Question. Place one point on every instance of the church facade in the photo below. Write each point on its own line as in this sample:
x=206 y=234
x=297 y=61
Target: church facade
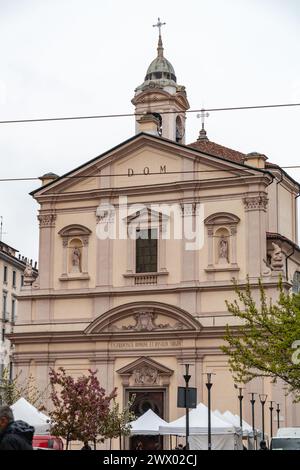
x=138 y=250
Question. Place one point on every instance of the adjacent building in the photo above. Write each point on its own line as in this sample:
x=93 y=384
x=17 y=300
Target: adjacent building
x=12 y=267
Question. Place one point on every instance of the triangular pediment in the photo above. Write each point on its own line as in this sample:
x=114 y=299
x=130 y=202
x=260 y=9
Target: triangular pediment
x=145 y=363
x=146 y=215
x=143 y=160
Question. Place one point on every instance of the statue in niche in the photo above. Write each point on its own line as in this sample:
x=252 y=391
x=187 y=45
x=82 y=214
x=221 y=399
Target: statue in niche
x=223 y=250
x=276 y=258
x=76 y=260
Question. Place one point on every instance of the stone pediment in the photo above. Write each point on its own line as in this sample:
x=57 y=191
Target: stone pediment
x=144 y=317
x=145 y=372
x=142 y=154
x=146 y=215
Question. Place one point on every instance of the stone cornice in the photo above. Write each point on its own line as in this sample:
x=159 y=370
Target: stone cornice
x=160 y=188
x=142 y=290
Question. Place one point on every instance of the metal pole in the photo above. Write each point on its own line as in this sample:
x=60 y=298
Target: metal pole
x=263 y=419
x=263 y=398
x=187 y=424
x=241 y=407
x=278 y=415
x=271 y=417
x=209 y=385
x=252 y=401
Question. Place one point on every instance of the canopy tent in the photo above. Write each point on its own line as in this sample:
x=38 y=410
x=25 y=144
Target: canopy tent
x=234 y=420
x=247 y=429
x=147 y=424
x=246 y=426
x=224 y=435
x=24 y=411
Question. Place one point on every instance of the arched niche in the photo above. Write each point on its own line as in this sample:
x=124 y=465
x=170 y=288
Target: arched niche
x=222 y=248
x=75 y=241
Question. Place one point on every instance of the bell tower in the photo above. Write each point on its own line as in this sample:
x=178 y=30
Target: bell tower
x=160 y=103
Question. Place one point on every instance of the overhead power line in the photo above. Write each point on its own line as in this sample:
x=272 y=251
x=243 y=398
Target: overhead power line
x=34 y=178
x=106 y=116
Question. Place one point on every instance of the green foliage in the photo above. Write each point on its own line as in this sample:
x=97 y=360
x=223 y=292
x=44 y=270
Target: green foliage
x=117 y=422
x=264 y=344
x=13 y=389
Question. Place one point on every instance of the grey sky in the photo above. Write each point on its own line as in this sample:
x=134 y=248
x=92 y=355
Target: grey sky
x=74 y=57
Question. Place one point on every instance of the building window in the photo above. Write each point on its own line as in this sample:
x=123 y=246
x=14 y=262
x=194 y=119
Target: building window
x=3 y=335
x=296 y=283
x=14 y=277
x=13 y=310
x=5 y=274
x=4 y=304
x=22 y=280
x=10 y=371
x=146 y=250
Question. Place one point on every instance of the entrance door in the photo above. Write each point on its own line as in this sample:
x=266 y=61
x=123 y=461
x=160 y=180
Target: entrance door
x=145 y=400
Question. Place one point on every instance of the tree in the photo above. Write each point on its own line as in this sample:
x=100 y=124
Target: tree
x=11 y=389
x=79 y=406
x=267 y=343
x=116 y=424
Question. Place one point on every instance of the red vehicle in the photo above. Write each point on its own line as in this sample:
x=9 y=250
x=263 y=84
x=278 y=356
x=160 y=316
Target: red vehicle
x=47 y=442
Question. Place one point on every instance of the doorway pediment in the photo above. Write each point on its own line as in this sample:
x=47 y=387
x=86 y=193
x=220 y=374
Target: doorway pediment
x=145 y=372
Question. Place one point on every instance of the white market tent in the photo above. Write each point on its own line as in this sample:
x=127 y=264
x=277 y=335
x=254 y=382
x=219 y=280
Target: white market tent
x=24 y=411
x=246 y=426
x=224 y=435
x=147 y=424
x=235 y=421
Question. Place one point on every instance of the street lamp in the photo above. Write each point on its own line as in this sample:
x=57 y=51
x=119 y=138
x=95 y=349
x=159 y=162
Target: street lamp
x=278 y=415
x=252 y=401
x=263 y=398
x=271 y=417
x=208 y=386
x=240 y=397
x=187 y=378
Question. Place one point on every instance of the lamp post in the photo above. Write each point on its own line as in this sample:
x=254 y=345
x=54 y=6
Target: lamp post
x=263 y=398
x=278 y=415
x=187 y=378
x=240 y=397
x=252 y=401
x=271 y=417
x=208 y=386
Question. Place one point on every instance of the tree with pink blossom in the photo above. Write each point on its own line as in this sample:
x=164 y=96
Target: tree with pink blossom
x=79 y=406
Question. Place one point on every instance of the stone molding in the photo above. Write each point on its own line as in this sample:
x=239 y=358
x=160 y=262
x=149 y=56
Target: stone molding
x=255 y=203
x=47 y=220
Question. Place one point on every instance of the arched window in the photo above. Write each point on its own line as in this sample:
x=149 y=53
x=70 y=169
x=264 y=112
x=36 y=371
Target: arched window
x=75 y=240
x=179 y=130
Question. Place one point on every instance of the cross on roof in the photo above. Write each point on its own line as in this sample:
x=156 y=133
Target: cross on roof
x=203 y=115
x=158 y=25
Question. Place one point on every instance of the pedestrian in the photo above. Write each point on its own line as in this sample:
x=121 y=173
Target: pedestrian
x=263 y=445
x=86 y=446
x=14 y=435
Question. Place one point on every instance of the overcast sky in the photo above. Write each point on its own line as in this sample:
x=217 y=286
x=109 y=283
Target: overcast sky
x=75 y=57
